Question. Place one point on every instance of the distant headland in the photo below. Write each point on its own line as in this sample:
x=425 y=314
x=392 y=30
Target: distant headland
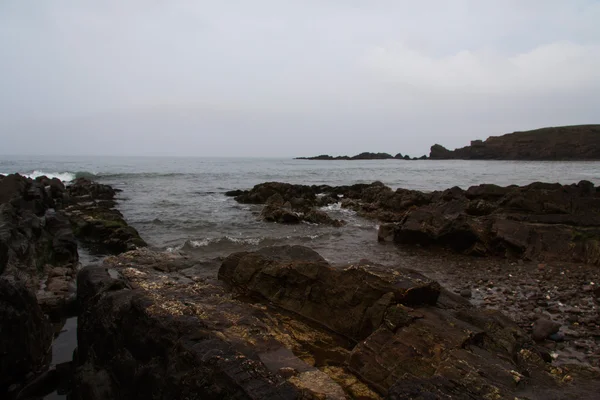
x=363 y=156
x=577 y=142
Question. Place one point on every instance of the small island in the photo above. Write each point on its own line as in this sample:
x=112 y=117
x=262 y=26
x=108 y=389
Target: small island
x=362 y=156
x=562 y=143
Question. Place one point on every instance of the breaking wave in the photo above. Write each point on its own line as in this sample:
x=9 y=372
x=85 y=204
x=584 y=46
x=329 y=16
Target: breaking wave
x=63 y=176
x=68 y=176
x=227 y=242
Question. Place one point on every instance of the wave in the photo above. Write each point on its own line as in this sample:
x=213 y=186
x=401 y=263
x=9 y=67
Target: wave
x=63 y=176
x=337 y=207
x=69 y=176
x=226 y=242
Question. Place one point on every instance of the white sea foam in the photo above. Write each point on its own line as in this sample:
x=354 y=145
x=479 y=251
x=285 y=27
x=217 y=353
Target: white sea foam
x=332 y=207
x=63 y=176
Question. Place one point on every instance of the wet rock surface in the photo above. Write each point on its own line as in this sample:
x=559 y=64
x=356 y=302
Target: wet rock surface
x=528 y=292
x=278 y=210
x=96 y=223
x=150 y=327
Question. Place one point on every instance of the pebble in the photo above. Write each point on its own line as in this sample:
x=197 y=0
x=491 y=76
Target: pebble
x=466 y=293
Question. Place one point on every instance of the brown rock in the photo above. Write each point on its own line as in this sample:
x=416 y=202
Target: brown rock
x=352 y=302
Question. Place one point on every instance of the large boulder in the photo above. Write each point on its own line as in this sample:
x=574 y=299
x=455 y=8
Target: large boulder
x=352 y=302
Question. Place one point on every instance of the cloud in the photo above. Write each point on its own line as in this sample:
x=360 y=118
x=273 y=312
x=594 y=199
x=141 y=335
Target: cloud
x=555 y=67
x=280 y=77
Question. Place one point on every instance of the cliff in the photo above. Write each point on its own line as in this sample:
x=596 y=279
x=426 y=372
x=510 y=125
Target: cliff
x=578 y=142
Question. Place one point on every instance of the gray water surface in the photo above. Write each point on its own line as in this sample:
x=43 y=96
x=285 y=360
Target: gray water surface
x=179 y=203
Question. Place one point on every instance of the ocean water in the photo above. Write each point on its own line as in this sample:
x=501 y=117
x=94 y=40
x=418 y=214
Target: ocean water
x=178 y=204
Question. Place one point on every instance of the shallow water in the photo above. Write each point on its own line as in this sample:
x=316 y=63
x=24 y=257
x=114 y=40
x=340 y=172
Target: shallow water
x=178 y=203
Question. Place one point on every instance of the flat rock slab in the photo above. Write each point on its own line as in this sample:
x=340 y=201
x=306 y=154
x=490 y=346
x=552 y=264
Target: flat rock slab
x=191 y=338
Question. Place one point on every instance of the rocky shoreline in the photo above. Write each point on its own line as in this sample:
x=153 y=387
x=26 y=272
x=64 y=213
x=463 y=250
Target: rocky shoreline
x=283 y=323
x=42 y=222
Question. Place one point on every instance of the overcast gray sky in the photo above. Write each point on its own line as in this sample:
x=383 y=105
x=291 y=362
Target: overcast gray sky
x=290 y=78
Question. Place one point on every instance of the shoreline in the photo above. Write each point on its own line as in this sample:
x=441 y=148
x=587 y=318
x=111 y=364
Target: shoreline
x=491 y=283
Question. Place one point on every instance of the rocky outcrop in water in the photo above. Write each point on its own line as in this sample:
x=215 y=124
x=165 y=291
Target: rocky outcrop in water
x=287 y=203
x=535 y=222
x=286 y=325
x=540 y=221
x=580 y=142
x=96 y=222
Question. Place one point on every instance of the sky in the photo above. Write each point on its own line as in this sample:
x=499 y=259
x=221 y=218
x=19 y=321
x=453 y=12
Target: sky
x=282 y=78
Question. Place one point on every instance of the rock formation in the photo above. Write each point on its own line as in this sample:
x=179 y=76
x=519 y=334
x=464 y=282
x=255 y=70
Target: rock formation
x=539 y=221
x=39 y=261
x=580 y=142
x=284 y=324
x=287 y=204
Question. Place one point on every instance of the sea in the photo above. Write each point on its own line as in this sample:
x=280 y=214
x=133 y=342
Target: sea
x=178 y=203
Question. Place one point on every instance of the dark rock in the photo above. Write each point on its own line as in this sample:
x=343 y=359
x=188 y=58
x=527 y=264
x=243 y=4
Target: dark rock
x=539 y=221
x=386 y=232
x=96 y=223
x=361 y=156
x=184 y=340
x=234 y=193
x=466 y=293
x=319 y=217
x=25 y=334
x=84 y=187
x=274 y=213
x=148 y=331
x=543 y=329
x=351 y=301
